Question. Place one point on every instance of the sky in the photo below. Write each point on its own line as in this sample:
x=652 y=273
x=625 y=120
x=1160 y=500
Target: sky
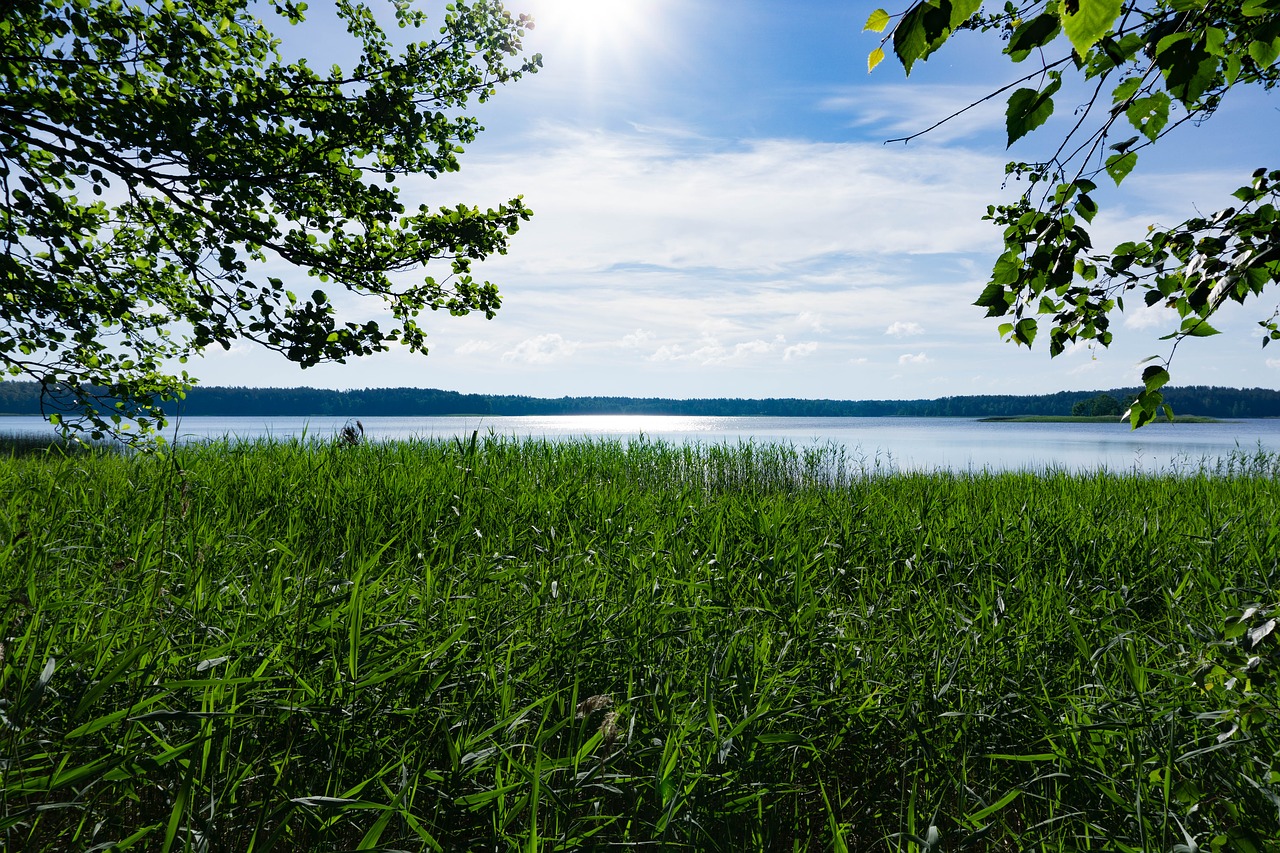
x=717 y=213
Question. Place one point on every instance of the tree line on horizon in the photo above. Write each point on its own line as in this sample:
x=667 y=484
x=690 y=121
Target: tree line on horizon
x=23 y=398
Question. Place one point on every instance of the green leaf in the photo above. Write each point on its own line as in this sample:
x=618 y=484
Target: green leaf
x=1091 y=21
x=1149 y=115
x=874 y=58
x=1086 y=208
x=919 y=28
x=1155 y=377
x=1120 y=165
x=1025 y=331
x=1196 y=327
x=1257 y=8
x=1147 y=405
x=927 y=25
x=1111 y=52
x=1126 y=89
x=981 y=814
x=1007 y=270
x=1215 y=41
x=1264 y=53
x=877 y=21
x=1168 y=41
x=1235 y=629
x=1033 y=34
x=1029 y=109
x=994 y=299
x=963 y=10
x=1187 y=67
x=1234 y=66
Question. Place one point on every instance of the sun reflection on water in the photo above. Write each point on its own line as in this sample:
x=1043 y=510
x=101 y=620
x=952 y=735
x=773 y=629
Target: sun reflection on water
x=620 y=425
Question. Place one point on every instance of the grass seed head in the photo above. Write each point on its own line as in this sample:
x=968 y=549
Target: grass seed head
x=609 y=729
x=592 y=704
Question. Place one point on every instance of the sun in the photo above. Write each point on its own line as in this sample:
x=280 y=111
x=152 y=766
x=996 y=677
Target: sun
x=592 y=26
x=590 y=16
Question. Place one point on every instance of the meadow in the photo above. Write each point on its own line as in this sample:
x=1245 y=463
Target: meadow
x=504 y=644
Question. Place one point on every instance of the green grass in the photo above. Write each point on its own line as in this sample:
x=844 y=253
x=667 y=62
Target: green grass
x=33 y=444
x=310 y=647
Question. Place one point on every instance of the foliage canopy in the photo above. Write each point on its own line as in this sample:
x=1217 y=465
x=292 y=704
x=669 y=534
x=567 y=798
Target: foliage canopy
x=1149 y=66
x=1099 y=405
x=159 y=157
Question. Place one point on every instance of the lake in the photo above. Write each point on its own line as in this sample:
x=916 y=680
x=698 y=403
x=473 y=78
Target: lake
x=906 y=444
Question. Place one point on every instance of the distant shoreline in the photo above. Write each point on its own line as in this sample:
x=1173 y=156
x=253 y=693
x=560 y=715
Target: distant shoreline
x=1100 y=419
x=462 y=416
x=24 y=398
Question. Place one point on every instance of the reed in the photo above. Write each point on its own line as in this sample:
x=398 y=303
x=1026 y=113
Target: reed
x=518 y=644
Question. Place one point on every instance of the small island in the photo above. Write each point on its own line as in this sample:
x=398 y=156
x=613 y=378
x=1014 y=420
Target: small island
x=1091 y=419
x=1099 y=409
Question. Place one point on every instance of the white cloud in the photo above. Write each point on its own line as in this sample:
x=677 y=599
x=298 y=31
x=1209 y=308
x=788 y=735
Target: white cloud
x=668 y=352
x=896 y=110
x=1089 y=366
x=756 y=347
x=711 y=351
x=1273 y=363
x=900 y=329
x=812 y=321
x=474 y=345
x=799 y=350
x=1148 y=317
x=542 y=349
x=666 y=261
x=644 y=204
x=1074 y=348
x=636 y=339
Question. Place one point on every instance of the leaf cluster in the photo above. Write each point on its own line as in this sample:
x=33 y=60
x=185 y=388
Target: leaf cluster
x=156 y=156
x=1163 y=63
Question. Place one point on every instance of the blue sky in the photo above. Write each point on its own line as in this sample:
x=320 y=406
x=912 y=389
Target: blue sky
x=716 y=215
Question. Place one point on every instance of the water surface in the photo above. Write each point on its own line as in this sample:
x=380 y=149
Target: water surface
x=886 y=443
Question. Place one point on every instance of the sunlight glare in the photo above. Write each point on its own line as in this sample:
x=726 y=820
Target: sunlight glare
x=593 y=29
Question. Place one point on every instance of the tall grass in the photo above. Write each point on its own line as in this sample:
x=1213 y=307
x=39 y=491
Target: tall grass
x=502 y=644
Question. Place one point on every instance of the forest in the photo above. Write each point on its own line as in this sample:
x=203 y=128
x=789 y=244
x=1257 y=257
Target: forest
x=23 y=398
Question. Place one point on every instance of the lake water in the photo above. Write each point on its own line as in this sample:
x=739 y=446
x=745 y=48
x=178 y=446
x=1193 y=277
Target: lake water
x=889 y=443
